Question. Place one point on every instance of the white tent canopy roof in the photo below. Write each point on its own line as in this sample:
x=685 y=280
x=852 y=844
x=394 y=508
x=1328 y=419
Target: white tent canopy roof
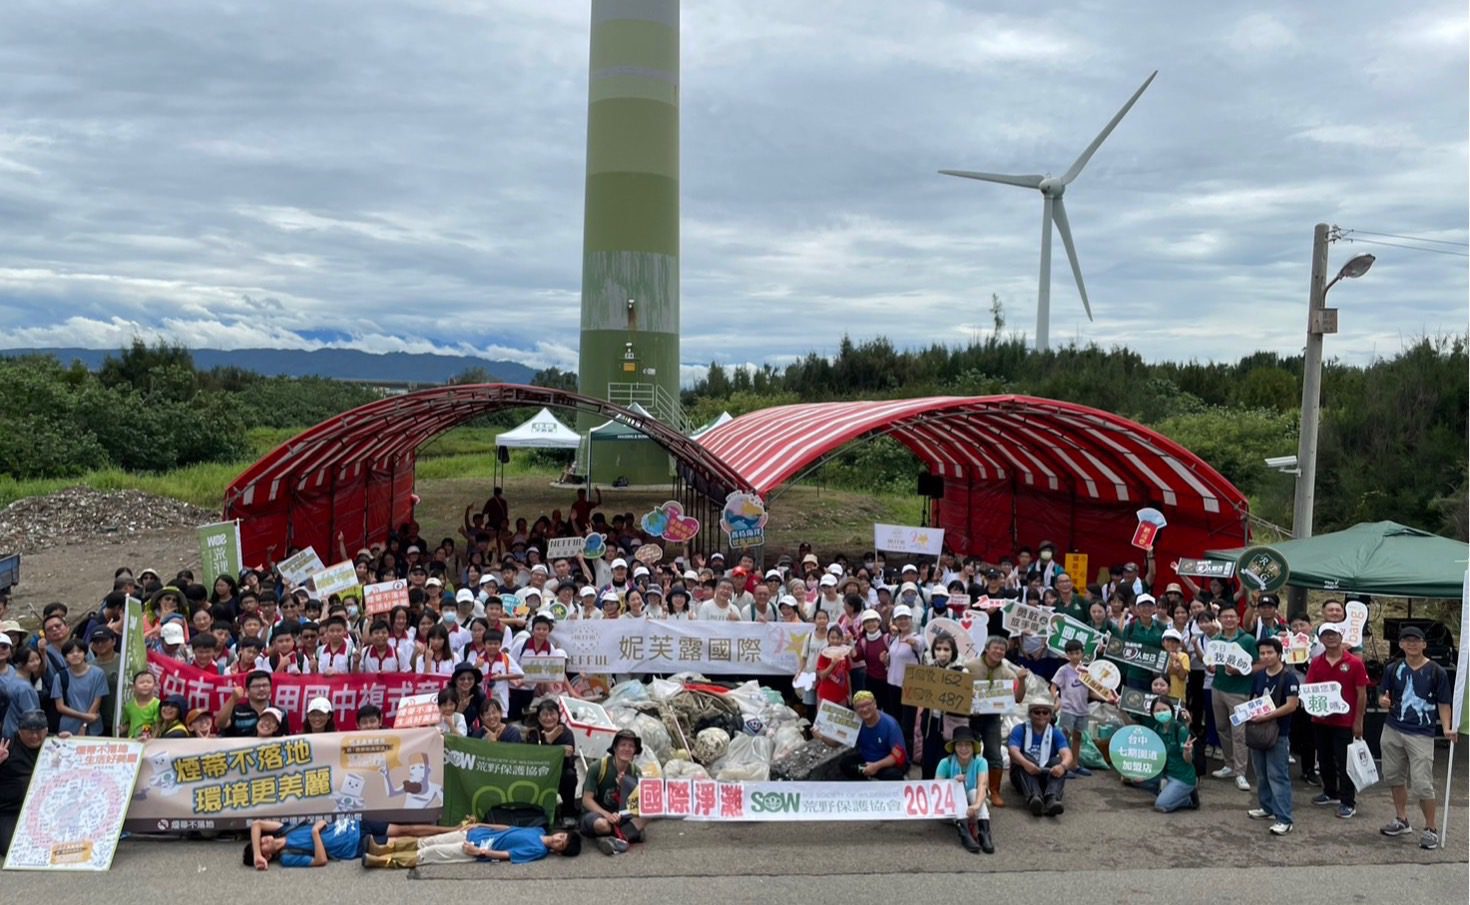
x=725 y=418
x=543 y=431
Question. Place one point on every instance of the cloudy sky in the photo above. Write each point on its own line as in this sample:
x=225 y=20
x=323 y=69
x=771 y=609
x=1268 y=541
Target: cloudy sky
x=409 y=174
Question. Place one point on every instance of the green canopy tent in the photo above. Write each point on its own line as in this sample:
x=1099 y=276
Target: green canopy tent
x=1382 y=558
x=616 y=446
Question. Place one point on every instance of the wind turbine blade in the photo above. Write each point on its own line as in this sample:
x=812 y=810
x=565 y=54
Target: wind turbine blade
x=1059 y=213
x=1107 y=130
x=1043 y=285
x=1029 y=181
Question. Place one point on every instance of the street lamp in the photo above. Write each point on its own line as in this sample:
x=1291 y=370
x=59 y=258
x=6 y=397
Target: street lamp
x=1321 y=320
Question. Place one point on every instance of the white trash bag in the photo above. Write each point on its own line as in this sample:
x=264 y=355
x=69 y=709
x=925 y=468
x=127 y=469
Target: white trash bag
x=1360 y=766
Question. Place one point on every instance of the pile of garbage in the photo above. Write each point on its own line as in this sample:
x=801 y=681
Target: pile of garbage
x=84 y=514
x=692 y=729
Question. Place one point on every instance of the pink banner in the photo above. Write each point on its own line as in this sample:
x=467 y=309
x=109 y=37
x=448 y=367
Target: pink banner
x=292 y=692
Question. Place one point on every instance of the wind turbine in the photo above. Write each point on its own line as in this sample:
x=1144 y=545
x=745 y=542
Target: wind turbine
x=1054 y=211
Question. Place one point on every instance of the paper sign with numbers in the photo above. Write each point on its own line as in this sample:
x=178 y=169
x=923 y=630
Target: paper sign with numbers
x=1323 y=699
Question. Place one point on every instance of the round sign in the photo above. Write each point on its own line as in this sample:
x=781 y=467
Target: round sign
x=1137 y=752
x=1105 y=673
x=1262 y=569
x=964 y=642
x=648 y=554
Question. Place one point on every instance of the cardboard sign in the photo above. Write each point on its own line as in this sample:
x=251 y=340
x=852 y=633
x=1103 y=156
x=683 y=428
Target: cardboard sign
x=1135 y=653
x=418 y=710
x=219 y=551
x=335 y=579
x=384 y=596
x=1296 y=648
x=1076 y=566
x=1262 y=569
x=73 y=811
x=564 y=547
x=1102 y=676
x=544 y=668
x=1324 y=699
x=1204 y=568
x=903 y=539
x=1064 y=628
x=1018 y=618
x=1137 y=753
x=301 y=566
x=933 y=688
x=837 y=723
x=743 y=519
x=1150 y=523
x=1228 y=654
x=1357 y=617
x=995 y=697
x=669 y=522
x=1252 y=708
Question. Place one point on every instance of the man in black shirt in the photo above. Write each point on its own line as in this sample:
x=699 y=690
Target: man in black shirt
x=237 y=718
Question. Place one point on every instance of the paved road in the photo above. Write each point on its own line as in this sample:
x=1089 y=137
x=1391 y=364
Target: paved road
x=1109 y=842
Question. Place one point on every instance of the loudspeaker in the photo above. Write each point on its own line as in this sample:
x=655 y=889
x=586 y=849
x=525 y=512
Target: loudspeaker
x=931 y=486
x=503 y=454
x=1439 y=644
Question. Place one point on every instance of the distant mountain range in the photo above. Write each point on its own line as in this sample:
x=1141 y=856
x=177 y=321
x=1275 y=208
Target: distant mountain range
x=338 y=364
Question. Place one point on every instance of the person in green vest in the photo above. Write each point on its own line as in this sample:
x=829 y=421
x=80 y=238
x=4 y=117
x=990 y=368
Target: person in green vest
x=1231 y=689
x=1069 y=602
x=1142 y=629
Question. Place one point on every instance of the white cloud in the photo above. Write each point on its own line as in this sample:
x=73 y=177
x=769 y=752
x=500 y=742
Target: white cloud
x=410 y=177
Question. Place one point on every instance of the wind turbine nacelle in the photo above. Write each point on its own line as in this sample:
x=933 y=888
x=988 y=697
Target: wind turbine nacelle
x=1052 y=186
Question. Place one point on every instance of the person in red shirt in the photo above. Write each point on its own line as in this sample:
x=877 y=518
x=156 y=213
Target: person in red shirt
x=834 y=668
x=1336 y=730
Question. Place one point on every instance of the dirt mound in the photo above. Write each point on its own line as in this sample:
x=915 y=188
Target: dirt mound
x=84 y=514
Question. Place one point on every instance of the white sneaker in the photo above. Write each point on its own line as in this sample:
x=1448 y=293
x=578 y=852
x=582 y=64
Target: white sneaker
x=1260 y=814
x=1223 y=773
x=1280 y=829
x=1242 y=784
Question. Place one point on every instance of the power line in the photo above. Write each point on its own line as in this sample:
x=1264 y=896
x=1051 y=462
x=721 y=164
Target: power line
x=1367 y=232
x=1437 y=251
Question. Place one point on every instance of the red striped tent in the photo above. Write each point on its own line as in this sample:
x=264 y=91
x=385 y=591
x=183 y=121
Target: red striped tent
x=1016 y=470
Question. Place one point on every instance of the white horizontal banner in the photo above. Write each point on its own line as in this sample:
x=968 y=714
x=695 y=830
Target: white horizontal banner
x=658 y=646
x=791 y=801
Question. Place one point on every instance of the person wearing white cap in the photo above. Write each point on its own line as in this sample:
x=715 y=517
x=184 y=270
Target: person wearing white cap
x=587 y=599
x=828 y=599
x=905 y=649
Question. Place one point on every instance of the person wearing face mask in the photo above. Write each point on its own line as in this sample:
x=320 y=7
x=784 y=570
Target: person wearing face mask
x=1045 y=565
x=905 y=648
x=935 y=726
x=1178 y=786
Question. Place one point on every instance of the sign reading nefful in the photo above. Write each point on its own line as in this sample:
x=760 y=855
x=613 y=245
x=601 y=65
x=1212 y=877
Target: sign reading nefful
x=903 y=539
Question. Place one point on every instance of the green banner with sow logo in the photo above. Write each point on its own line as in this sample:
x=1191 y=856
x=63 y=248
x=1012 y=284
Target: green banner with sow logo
x=480 y=775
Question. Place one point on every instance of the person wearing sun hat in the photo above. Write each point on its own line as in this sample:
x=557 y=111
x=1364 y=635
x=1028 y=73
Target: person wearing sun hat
x=608 y=795
x=1040 y=758
x=964 y=763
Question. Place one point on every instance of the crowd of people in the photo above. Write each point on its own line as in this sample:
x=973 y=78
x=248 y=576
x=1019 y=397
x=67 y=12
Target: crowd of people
x=474 y=612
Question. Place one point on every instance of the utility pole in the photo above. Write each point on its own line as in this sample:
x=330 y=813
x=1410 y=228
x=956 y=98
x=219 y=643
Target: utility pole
x=1306 y=456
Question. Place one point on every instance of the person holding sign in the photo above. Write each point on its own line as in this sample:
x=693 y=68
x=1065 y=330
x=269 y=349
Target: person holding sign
x=991 y=667
x=1334 y=731
x=1178 y=786
x=1273 y=771
x=1040 y=759
x=1230 y=690
x=880 y=752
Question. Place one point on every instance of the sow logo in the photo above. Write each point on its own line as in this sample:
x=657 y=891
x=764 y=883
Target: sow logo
x=775 y=802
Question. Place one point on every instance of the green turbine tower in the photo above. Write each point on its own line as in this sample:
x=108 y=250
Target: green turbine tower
x=630 y=243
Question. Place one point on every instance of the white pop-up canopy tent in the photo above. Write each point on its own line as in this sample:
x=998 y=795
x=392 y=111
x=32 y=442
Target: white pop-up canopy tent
x=543 y=431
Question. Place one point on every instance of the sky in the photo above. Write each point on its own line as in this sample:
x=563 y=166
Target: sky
x=408 y=175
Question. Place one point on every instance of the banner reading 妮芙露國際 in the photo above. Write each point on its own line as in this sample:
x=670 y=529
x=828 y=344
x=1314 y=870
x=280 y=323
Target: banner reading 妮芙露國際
x=219 y=550
x=480 y=775
x=654 y=646
x=940 y=799
x=223 y=783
